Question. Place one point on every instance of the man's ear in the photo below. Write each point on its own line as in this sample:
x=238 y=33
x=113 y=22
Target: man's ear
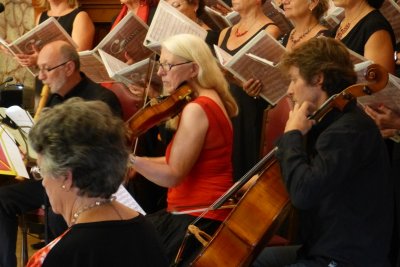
x=318 y=79
x=70 y=67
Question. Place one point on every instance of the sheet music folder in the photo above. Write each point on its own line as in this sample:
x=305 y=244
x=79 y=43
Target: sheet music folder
x=14 y=140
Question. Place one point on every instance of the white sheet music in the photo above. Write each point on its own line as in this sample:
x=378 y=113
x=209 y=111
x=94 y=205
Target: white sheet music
x=12 y=153
x=244 y=67
x=24 y=121
x=126 y=199
x=46 y=32
x=20 y=117
x=112 y=64
x=388 y=96
x=93 y=67
x=126 y=37
x=391 y=10
x=168 y=21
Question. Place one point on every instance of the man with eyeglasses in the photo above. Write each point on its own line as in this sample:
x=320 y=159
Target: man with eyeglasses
x=59 y=69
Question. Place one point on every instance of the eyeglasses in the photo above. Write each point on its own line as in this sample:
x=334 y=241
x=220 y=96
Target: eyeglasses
x=53 y=68
x=167 y=66
x=35 y=171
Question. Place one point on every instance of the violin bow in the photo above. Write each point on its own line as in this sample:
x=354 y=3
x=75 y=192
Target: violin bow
x=149 y=75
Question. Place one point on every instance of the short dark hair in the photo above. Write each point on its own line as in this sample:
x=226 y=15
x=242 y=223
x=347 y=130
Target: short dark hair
x=326 y=56
x=86 y=139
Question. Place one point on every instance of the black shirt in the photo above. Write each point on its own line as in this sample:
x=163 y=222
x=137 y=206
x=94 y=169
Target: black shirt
x=88 y=90
x=339 y=182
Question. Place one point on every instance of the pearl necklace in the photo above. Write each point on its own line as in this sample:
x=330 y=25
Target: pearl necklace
x=98 y=203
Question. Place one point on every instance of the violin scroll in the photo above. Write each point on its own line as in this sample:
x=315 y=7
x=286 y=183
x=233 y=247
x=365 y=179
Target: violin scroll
x=377 y=78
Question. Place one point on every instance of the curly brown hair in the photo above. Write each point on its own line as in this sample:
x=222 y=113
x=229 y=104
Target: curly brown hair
x=326 y=56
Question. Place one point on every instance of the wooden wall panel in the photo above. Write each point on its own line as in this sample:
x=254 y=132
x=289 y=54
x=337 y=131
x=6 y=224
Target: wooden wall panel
x=102 y=12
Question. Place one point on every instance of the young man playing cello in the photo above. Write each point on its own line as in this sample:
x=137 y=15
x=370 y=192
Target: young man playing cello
x=335 y=170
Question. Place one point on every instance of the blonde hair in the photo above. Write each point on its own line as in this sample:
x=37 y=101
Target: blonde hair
x=45 y=4
x=194 y=49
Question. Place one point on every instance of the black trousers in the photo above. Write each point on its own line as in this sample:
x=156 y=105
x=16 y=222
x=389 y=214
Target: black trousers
x=172 y=230
x=16 y=199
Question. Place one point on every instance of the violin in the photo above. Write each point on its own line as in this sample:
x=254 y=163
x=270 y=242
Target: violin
x=160 y=112
x=266 y=204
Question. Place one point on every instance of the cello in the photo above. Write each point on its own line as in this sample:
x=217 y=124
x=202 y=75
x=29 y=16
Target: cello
x=266 y=204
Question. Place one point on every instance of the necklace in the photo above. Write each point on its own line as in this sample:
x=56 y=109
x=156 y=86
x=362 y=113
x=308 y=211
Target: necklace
x=239 y=34
x=342 y=30
x=295 y=41
x=98 y=203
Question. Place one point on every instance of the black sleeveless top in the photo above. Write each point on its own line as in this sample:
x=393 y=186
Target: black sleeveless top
x=228 y=34
x=248 y=124
x=362 y=31
x=66 y=21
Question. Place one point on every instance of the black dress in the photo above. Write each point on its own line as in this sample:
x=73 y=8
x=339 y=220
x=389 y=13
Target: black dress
x=247 y=126
x=357 y=37
x=132 y=242
x=66 y=21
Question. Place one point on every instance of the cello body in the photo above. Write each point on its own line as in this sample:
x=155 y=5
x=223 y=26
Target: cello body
x=251 y=224
x=266 y=204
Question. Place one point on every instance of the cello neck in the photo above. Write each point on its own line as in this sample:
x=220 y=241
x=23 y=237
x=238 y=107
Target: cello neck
x=242 y=181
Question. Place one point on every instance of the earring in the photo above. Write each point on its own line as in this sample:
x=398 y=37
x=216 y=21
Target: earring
x=63 y=186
